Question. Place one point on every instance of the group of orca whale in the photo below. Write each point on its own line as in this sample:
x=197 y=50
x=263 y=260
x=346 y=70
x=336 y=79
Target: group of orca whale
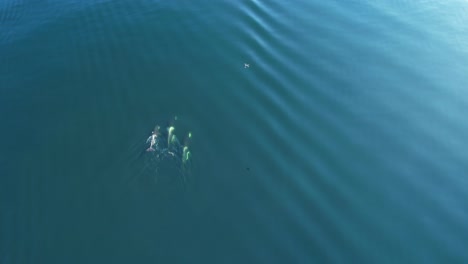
x=164 y=144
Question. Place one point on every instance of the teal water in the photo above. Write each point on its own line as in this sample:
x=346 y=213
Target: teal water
x=343 y=142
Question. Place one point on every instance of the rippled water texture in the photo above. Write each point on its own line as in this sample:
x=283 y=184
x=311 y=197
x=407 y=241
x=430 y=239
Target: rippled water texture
x=343 y=142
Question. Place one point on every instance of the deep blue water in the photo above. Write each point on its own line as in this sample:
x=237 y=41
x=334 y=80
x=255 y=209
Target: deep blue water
x=343 y=142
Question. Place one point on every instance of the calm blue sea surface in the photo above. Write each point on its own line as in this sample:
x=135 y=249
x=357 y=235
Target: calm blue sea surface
x=344 y=141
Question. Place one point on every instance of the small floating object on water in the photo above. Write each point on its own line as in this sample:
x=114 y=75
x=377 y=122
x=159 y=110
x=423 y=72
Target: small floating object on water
x=246 y=65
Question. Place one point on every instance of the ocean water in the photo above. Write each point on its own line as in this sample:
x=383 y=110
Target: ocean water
x=344 y=141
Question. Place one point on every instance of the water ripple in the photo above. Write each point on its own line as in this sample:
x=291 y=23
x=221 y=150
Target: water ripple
x=344 y=139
